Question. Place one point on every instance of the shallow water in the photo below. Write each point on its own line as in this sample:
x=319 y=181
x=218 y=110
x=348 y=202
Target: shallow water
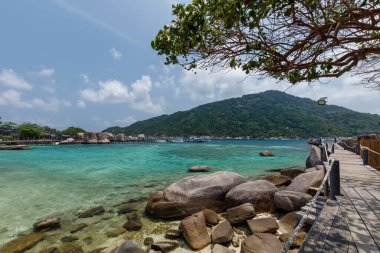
x=49 y=180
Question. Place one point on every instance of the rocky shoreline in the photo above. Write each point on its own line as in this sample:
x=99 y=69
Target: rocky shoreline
x=215 y=212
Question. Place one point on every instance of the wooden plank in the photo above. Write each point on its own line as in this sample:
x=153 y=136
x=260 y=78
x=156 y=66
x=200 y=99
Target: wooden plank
x=374 y=193
x=371 y=201
x=339 y=236
x=363 y=239
x=320 y=230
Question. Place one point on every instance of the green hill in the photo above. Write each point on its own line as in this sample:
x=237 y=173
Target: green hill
x=266 y=114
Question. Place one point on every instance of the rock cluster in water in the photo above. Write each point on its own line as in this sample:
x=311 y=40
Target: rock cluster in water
x=217 y=212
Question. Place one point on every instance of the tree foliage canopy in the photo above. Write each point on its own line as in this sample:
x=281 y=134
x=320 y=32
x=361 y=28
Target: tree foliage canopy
x=73 y=131
x=29 y=131
x=290 y=40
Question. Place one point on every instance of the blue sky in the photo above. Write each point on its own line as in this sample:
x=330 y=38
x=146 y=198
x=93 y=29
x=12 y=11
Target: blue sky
x=89 y=63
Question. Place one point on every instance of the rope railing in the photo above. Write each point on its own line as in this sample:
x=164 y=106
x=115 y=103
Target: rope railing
x=313 y=201
x=373 y=151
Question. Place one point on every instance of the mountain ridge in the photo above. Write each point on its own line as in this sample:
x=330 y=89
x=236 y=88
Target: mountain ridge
x=265 y=114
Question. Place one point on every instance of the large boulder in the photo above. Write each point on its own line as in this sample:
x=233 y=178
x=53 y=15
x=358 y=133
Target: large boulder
x=278 y=180
x=261 y=243
x=90 y=138
x=288 y=222
x=193 y=194
x=195 y=232
x=259 y=193
x=222 y=233
x=290 y=200
x=240 y=213
x=121 y=137
x=199 y=168
x=102 y=138
x=263 y=225
x=302 y=182
x=315 y=157
x=292 y=172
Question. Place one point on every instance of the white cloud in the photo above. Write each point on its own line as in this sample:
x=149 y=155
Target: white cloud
x=9 y=78
x=81 y=104
x=127 y=120
x=46 y=72
x=115 y=54
x=85 y=78
x=13 y=98
x=114 y=91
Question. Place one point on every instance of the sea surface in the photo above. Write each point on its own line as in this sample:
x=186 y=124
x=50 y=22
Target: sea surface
x=51 y=180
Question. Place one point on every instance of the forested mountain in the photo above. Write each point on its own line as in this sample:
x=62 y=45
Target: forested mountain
x=266 y=114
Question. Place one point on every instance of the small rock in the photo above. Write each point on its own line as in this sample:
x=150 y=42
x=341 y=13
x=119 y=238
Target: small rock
x=173 y=234
x=78 y=227
x=261 y=243
x=133 y=223
x=71 y=248
x=91 y=212
x=266 y=153
x=69 y=238
x=47 y=224
x=235 y=241
x=292 y=172
x=199 y=168
x=129 y=247
x=220 y=249
x=148 y=241
x=222 y=233
x=194 y=231
x=88 y=240
x=263 y=225
x=211 y=217
x=50 y=250
x=164 y=246
x=115 y=232
x=240 y=213
x=278 y=180
x=127 y=208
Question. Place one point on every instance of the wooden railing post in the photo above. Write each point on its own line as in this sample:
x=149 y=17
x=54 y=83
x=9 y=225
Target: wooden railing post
x=323 y=153
x=333 y=148
x=334 y=180
x=365 y=156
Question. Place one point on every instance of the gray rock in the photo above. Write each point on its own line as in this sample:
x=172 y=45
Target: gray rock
x=211 y=217
x=90 y=138
x=194 y=231
x=193 y=194
x=102 y=138
x=199 y=168
x=290 y=200
x=263 y=225
x=261 y=243
x=240 y=213
x=222 y=233
x=259 y=193
x=315 y=157
x=220 y=249
x=129 y=247
x=303 y=181
x=133 y=223
x=292 y=172
x=148 y=241
x=288 y=222
x=47 y=224
x=164 y=246
x=91 y=212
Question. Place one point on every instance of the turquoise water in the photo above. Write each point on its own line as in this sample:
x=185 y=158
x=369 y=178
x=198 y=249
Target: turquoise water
x=55 y=179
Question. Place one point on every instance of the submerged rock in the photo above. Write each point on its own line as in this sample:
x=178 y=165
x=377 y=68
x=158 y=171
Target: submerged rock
x=240 y=213
x=23 y=243
x=266 y=153
x=259 y=193
x=302 y=182
x=199 y=168
x=222 y=233
x=261 y=243
x=194 y=231
x=78 y=227
x=129 y=247
x=290 y=200
x=115 y=232
x=69 y=238
x=127 y=208
x=173 y=234
x=193 y=194
x=71 y=248
x=133 y=223
x=47 y=224
x=263 y=225
x=51 y=250
x=164 y=246
x=99 y=210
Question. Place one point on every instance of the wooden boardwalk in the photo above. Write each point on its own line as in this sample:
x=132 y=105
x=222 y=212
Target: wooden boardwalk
x=352 y=222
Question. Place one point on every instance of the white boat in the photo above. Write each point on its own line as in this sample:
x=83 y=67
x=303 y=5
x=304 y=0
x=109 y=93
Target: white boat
x=160 y=141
